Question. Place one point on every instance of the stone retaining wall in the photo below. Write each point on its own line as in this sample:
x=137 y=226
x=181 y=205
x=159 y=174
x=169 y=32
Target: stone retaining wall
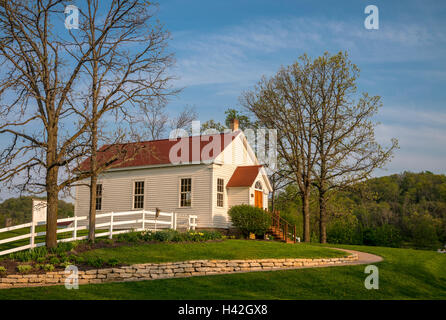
x=149 y=271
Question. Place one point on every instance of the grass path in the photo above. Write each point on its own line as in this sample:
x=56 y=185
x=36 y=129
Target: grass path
x=404 y=274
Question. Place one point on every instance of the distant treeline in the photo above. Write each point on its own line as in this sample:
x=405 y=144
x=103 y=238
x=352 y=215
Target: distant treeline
x=19 y=210
x=400 y=210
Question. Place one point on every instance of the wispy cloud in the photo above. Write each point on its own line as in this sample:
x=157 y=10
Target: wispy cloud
x=233 y=58
x=415 y=118
x=421 y=135
x=242 y=53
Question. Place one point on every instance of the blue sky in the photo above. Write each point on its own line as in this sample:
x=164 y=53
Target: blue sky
x=223 y=48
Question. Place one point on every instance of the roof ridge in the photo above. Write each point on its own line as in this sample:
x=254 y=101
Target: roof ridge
x=168 y=139
x=140 y=154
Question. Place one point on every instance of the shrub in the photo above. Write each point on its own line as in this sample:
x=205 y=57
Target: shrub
x=48 y=267
x=344 y=229
x=23 y=256
x=2 y=271
x=202 y=235
x=422 y=230
x=41 y=259
x=77 y=259
x=385 y=235
x=113 y=262
x=38 y=266
x=163 y=236
x=128 y=237
x=65 y=264
x=24 y=268
x=170 y=235
x=249 y=219
x=106 y=241
x=212 y=235
x=62 y=248
x=96 y=262
x=54 y=260
x=62 y=256
x=76 y=243
x=40 y=252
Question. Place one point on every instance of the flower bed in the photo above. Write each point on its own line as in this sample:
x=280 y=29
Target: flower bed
x=42 y=260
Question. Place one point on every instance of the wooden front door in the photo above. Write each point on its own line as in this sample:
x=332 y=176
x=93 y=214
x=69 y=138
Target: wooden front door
x=258 y=199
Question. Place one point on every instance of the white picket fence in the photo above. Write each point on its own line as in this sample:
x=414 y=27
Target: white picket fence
x=147 y=221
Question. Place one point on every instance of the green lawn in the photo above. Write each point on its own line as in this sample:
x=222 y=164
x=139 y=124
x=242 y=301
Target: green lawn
x=229 y=249
x=404 y=274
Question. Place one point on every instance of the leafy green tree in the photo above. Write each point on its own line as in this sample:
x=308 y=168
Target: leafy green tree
x=244 y=122
x=344 y=229
x=406 y=209
x=211 y=124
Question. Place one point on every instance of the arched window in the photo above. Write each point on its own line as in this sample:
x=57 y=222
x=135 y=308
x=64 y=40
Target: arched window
x=258 y=185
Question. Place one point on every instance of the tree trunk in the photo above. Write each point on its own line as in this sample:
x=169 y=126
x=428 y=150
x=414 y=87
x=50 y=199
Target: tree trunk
x=306 y=216
x=52 y=206
x=93 y=185
x=94 y=148
x=322 y=217
x=92 y=212
x=52 y=189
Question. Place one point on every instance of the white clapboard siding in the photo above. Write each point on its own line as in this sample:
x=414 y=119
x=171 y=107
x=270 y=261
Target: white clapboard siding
x=162 y=185
x=161 y=190
x=237 y=155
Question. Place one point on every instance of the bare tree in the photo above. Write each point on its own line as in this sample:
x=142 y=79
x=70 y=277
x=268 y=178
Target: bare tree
x=325 y=137
x=37 y=85
x=127 y=69
x=155 y=121
x=285 y=103
x=45 y=111
x=184 y=118
x=345 y=142
x=279 y=178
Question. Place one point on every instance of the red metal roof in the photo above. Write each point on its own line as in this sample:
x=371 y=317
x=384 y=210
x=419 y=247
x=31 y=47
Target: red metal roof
x=156 y=152
x=244 y=176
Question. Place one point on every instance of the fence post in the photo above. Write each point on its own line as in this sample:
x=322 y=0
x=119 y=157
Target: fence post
x=175 y=221
x=171 y=221
x=143 y=218
x=75 y=228
x=33 y=232
x=111 y=226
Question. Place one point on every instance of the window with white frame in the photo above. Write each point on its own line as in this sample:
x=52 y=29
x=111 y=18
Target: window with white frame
x=186 y=192
x=220 y=188
x=138 y=195
x=99 y=197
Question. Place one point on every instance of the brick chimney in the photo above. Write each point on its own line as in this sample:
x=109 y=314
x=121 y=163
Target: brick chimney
x=234 y=124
